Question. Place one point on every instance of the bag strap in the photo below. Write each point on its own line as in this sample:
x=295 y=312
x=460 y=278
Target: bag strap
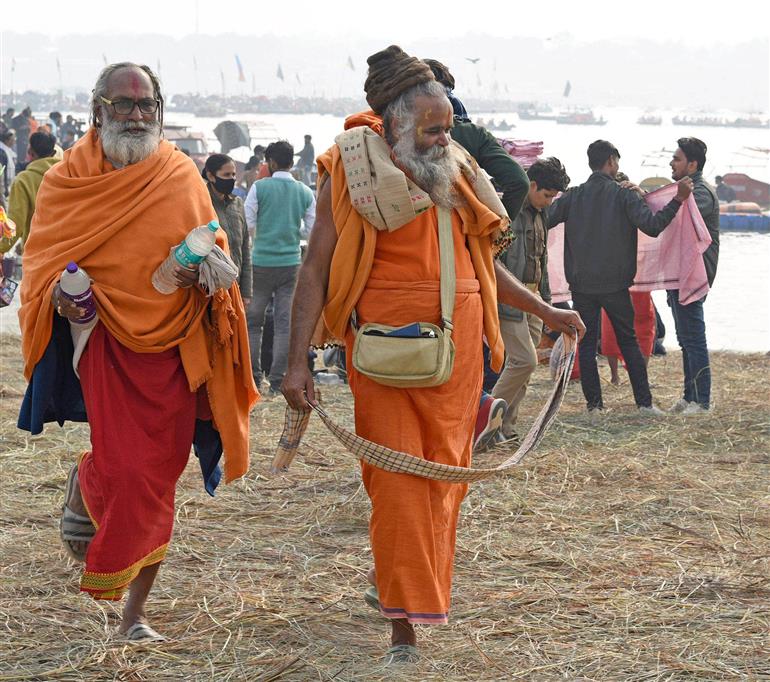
x=447 y=256
x=446 y=252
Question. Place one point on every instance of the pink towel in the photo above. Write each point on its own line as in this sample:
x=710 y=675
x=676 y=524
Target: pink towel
x=523 y=151
x=673 y=260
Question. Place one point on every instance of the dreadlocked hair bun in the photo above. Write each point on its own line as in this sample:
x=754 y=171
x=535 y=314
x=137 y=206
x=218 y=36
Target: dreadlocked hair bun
x=391 y=72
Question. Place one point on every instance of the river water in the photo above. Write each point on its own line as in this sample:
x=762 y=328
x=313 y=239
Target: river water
x=737 y=309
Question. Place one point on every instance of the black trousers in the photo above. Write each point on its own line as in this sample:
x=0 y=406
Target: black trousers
x=621 y=313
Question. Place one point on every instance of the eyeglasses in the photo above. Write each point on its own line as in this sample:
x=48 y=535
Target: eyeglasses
x=125 y=106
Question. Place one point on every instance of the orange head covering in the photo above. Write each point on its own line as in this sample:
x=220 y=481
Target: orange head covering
x=119 y=226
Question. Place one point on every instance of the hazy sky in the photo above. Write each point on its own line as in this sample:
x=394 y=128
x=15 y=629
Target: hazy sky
x=403 y=20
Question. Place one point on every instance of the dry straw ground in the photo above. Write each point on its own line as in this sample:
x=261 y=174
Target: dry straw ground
x=623 y=549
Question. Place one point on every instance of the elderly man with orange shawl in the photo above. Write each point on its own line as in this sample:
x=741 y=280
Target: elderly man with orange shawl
x=158 y=371
x=378 y=255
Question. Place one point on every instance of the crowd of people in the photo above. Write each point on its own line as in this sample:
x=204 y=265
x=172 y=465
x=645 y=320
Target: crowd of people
x=399 y=171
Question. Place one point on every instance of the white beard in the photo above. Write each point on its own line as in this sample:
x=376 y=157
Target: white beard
x=126 y=148
x=432 y=169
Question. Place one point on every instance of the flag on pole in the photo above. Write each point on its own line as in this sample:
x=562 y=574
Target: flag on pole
x=350 y=63
x=241 y=75
x=279 y=72
x=104 y=58
x=567 y=88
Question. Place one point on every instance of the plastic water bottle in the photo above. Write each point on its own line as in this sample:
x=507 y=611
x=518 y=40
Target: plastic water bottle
x=75 y=284
x=328 y=379
x=192 y=251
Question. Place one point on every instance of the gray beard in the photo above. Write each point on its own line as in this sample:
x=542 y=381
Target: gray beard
x=433 y=169
x=126 y=148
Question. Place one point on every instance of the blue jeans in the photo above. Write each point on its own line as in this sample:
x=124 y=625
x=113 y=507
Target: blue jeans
x=691 y=334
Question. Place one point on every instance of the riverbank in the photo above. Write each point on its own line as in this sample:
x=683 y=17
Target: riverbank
x=623 y=548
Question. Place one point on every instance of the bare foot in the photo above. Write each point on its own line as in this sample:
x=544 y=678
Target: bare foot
x=371 y=576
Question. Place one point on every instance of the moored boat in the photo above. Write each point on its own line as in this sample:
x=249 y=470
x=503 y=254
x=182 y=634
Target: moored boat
x=580 y=118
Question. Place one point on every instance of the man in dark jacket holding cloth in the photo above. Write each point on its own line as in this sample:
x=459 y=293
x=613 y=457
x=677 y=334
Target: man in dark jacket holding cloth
x=688 y=160
x=600 y=242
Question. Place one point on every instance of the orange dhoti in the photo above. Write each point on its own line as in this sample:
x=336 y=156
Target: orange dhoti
x=414 y=519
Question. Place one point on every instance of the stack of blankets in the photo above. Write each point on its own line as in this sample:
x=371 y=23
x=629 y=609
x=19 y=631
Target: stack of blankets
x=523 y=151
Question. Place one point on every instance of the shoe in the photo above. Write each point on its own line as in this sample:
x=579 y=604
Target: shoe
x=695 y=408
x=651 y=411
x=596 y=409
x=679 y=406
x=488 y=422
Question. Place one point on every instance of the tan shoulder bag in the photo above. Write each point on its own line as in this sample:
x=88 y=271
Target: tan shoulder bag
x=420 y=354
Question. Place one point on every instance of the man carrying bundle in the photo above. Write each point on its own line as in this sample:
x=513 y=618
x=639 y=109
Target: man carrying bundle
x=374 y=255
x=115 y=205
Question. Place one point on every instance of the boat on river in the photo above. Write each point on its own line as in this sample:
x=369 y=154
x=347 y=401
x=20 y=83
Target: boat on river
x=580 y=118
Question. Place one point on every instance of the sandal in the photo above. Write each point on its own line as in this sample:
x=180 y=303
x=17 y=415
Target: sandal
x=401 y=653
x=372 y=597
x=141 y=633
x=74 y=527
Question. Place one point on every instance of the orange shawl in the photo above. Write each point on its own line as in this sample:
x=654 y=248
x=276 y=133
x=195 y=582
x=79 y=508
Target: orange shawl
x=357 y=238
x=119 y=226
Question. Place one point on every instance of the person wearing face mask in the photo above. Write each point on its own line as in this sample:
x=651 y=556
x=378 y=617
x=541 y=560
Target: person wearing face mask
x=219 y=174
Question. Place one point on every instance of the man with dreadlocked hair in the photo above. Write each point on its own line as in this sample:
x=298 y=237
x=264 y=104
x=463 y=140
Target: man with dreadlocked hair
x=374 y=249
x=152 y=361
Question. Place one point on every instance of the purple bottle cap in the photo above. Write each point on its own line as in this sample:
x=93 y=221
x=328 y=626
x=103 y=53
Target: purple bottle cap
x=72 y=267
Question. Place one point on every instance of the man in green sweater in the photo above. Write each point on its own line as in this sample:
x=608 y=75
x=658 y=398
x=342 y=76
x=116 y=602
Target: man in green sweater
x=21 y=200
x=276 y=208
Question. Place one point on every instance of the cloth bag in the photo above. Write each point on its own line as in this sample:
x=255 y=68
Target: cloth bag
x=420 y=354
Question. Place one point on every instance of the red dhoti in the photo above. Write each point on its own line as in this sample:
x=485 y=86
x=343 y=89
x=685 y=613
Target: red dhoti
x=142 y=418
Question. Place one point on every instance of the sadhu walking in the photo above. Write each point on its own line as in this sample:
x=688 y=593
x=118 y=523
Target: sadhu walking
x=373 y=257
x=157 y=368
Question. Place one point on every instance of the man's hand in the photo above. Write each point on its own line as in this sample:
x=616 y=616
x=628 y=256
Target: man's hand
x=567 y=321
x=627 y=184
x=185 y=277
x=64 y=306
x=683 y=189
x=298 y=389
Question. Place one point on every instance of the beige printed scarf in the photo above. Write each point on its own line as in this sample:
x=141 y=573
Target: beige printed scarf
x=383 y=195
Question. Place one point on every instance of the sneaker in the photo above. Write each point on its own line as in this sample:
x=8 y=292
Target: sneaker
x=488 y=422
x=679 y=406
x=695 y=408
x=651 y=411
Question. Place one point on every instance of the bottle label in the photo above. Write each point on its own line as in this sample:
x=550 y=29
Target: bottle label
x=86 y=302
x=185 y=257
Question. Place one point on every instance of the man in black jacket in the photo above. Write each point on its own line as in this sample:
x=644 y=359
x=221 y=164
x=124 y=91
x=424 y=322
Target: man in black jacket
x=688 y=160
x=600 y=242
